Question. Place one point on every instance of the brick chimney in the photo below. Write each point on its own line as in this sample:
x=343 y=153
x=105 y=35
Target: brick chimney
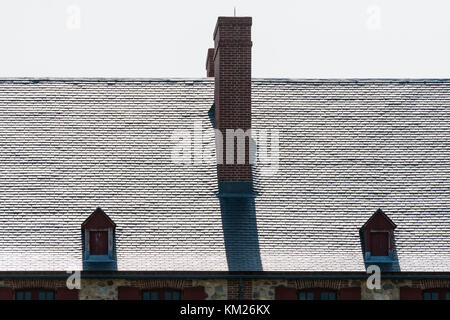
x=232 y=95
x=210 y=63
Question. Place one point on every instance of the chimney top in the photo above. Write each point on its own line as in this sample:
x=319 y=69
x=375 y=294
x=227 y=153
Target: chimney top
x=232 y=21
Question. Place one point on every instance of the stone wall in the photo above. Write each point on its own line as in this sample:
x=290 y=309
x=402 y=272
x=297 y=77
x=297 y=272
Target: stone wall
x=106 y=289
x=265 y=289
x=390 y=289
x=101 y=289
x=219 y=289
x=216 y=289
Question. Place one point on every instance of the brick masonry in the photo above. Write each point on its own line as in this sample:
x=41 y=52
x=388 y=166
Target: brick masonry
x=232 y=95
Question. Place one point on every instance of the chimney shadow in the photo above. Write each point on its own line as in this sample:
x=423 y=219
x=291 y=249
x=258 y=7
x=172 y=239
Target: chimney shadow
x=238 y=212
x=240 y=230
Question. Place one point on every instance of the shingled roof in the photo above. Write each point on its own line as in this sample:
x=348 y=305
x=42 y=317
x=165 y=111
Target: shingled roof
x=347 y=148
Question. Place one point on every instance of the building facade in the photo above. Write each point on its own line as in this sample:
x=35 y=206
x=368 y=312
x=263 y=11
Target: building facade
x=226 y=187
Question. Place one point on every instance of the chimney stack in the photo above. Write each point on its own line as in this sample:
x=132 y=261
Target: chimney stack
x=232 y=94
x=210 y=63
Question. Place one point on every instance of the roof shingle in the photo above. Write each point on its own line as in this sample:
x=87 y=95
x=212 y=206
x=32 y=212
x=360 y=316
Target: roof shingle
x=347 y=148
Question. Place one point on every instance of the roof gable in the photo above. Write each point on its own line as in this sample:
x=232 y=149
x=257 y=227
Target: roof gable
x=379 y=220
x=97 y=220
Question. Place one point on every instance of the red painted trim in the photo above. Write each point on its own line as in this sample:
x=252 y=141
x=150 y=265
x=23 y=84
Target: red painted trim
x=381 y=214
x=129 y=293
x=407 y=293
x=67 y=294
x=194 y=293
x=350 y=293
x=285 y=293
x=6 y=293
x=98 y=219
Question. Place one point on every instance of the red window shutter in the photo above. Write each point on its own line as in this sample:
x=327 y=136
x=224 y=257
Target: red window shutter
x=6 y=293
x=129 y=293
x=285 y=293
x=351 y=293
x=407 y=293
x=379 y=243
x=98 y=242
x=194 y=293
x=67 y=294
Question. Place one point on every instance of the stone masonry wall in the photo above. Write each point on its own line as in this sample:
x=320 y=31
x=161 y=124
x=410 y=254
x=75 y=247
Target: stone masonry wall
x=221 y=289
x=390 y=289
x=106 y=289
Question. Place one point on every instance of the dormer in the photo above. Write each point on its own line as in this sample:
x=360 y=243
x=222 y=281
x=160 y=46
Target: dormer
x=98 y=238
x=378 y=238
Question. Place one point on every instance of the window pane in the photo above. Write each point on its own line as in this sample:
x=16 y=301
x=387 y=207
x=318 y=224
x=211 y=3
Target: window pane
x=41 y=295
x=176 y=295
x=98 y=242
x=146 y=295
x=324 y=296
x=379 y=243
x=332 y=296
x=50 y=296
x=167 y=295
x=310 y=296
x=302 y=296
x=447 y=296
x=19 y=295
x=154 y=295
x=28 y=295
x=426 y=296
x=434 y=296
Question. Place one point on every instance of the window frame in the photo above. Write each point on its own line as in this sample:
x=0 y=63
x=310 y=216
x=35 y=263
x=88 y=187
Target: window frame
x=34 y=293
x=442 y=293
x=372 y=232
x=161 y=292
x=99 y=257
x=317 y=294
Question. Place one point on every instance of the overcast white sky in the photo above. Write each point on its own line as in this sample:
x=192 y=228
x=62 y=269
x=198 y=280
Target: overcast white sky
x=170 y=38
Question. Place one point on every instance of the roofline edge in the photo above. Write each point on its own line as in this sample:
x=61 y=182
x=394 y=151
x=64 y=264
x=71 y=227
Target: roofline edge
x=228 y=275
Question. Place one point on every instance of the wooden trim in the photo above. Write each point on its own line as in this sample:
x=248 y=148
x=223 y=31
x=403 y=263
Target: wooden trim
x=433 y=283
x=148 y=284
x=86 y=241
x=49 y=284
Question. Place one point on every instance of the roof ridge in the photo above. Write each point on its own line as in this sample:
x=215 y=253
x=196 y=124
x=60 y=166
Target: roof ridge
x=163 y=79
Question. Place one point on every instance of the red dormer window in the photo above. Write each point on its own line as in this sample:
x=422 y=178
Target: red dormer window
x=98 y=231
x=378 y=235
